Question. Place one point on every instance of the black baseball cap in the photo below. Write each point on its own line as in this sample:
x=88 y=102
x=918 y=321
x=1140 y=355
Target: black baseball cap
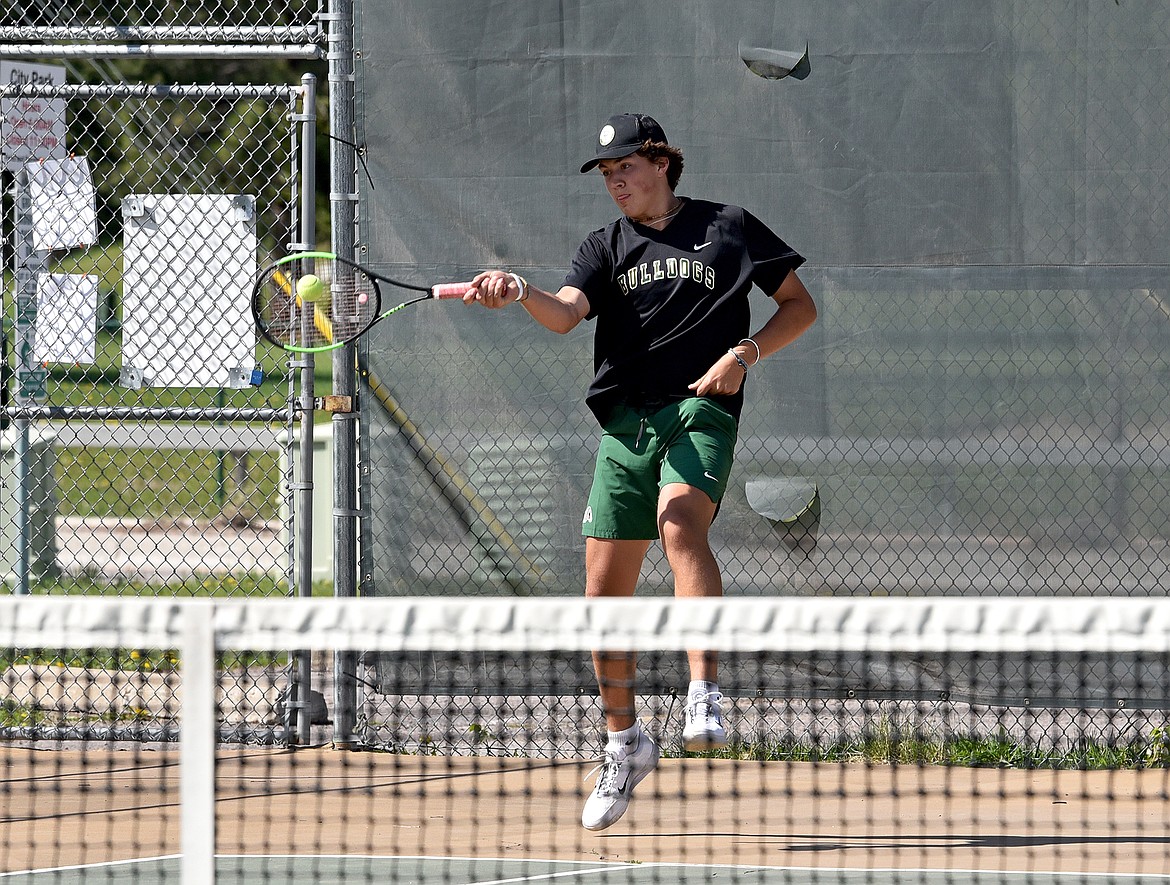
x=624 y=134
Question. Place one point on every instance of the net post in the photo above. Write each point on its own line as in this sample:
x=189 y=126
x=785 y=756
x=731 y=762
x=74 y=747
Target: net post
x=197 y=744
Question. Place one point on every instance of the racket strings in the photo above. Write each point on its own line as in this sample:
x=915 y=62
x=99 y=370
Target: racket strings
x=352 y=305
x=316 y=301
x=346 y=305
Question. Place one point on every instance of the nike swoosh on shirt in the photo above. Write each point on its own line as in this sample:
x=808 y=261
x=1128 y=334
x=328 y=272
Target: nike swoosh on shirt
x=709 y=476
x=702 y=245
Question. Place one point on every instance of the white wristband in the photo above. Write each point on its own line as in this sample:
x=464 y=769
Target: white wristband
x=752 y=342
x=522 y=285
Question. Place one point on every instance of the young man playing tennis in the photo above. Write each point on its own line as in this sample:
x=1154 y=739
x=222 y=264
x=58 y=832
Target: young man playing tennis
x=668 y=284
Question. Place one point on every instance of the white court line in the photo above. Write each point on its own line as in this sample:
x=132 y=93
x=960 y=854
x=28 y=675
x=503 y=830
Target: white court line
x=44 y=871
x=925 y=874
x=545 y=877
x=895 y=874
x=922 y=872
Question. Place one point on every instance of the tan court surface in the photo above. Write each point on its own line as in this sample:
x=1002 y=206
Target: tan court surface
x=65 y=807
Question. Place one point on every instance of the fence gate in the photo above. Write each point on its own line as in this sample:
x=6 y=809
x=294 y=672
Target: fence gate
x=150 y=444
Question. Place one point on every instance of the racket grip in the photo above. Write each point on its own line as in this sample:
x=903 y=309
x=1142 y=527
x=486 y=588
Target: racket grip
x=450 y=290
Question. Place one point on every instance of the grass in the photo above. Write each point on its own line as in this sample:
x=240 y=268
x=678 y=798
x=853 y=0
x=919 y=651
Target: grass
x=957 y=752
x=16 y=715
x=131 y=661
x=122 y=660
x=97 y=384
x=203 y=586
x=13 y=715
x=169 y=483
x=881 y=748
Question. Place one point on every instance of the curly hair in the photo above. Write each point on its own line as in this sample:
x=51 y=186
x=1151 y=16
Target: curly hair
x=652 y=150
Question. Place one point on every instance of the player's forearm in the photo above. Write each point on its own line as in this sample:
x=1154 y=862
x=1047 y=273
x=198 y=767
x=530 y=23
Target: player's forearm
x=556 y=311
x=789 y=322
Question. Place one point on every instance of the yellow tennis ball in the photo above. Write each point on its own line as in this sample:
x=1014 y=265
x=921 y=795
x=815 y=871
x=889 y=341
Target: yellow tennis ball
x=310 y=288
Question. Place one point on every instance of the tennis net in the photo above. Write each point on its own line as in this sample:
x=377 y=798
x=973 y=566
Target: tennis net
x=869 y=740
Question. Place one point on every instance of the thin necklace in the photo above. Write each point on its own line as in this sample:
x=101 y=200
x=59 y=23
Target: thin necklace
x=673 y=212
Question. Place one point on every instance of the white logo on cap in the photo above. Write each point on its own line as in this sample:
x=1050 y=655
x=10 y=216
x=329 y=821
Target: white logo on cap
x=607 y=134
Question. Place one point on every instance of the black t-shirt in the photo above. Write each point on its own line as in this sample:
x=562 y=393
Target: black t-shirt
x=670 y=303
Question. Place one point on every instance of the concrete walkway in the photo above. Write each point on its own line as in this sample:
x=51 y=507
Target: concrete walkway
x=163 y=550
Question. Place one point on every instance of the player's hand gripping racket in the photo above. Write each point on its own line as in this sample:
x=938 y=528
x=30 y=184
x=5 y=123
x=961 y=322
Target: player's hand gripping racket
x=312 y=302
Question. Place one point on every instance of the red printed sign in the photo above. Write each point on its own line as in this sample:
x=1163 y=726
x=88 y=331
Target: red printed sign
x=31 y=127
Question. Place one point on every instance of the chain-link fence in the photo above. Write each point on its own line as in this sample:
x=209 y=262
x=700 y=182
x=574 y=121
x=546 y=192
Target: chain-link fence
x=980 y=408
x=199 y=21
x=981 y=194
x=149 y=441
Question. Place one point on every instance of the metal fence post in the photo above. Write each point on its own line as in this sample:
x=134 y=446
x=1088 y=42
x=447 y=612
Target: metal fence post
x=308 y=241
x=343 y=213
x=28 y=264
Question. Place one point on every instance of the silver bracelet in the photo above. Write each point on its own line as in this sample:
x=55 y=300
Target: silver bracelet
x=752 y=342
x=739 y=359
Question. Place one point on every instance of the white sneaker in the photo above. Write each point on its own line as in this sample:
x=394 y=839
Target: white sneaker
x=704 y=727
x=615 y=784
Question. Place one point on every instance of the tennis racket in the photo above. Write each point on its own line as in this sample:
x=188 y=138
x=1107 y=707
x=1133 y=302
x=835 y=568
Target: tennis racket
x=312 y=302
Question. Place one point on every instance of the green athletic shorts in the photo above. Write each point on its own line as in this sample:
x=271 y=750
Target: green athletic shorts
x=691 y=441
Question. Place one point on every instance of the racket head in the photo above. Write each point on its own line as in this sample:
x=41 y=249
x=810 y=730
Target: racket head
x=313 y=319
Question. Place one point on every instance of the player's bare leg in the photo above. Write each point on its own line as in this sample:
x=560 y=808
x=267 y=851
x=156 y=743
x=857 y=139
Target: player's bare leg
x=612 y=568
x=685 y=514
